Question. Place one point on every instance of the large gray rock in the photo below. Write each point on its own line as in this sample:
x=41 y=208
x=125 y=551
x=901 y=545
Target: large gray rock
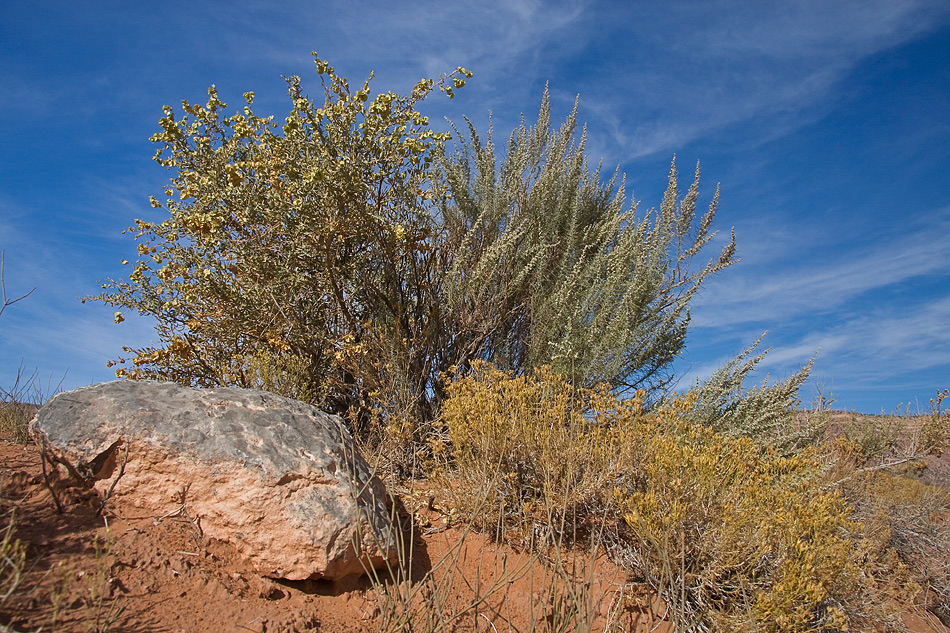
x=276 y=478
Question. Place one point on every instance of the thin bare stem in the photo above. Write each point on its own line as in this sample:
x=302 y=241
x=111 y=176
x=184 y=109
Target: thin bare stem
x=3 y=290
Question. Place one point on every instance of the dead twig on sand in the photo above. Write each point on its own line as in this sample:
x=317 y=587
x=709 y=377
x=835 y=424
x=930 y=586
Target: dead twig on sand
x=182 y=511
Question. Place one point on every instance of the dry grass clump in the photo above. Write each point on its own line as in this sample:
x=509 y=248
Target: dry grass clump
x=14 y=417
x=733 y=536
x=12 y=549
x=876 y=462
x=905 y=536
x=18 y=403
x=12 y=558
x=15 y=413
x=450 y=597
x=16 y=410
x=884 y=441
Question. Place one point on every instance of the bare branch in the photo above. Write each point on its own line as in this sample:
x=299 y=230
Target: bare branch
x=3 y=290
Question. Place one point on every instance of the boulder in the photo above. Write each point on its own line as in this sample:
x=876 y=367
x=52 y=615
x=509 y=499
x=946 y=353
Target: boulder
x=276 y=478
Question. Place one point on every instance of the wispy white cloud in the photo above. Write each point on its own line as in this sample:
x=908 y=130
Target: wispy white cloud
x=809 y=29
x=887 y=354
x=912 y=338
x=70 y=347
x=692 y=69
x=784 y=281
x=397 y=39
x=881 y=356
x=873 y=307
x=62 y=257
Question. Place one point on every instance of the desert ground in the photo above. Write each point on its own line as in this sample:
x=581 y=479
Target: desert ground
x=125 y=571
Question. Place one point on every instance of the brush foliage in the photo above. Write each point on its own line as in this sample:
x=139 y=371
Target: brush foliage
x=346 y=257
x=553 y=266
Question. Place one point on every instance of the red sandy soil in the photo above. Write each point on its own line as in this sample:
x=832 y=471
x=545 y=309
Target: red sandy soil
x=125 y=571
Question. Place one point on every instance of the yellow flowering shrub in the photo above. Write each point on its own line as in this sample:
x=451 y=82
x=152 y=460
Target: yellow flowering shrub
x=306 y=238
x=733 y=536
x=529 y=447
x=730 y=532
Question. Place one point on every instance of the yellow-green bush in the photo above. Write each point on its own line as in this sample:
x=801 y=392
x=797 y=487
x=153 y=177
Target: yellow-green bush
x=936 y=428
x=732 y=535
x=530 y=446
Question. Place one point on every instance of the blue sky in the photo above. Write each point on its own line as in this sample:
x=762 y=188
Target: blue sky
x=826 y=123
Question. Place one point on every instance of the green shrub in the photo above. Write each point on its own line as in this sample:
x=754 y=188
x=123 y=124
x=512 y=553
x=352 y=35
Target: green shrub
x=767 y=413
x=550 y=264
